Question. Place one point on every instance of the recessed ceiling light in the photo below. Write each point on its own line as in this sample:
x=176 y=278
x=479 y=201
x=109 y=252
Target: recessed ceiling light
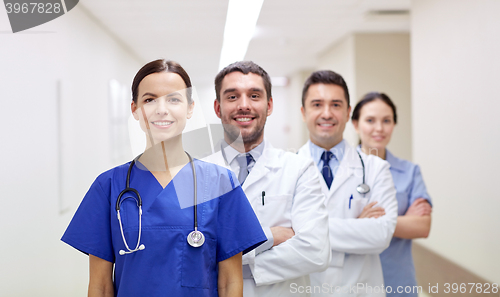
x=389 y=12
x=242 y=16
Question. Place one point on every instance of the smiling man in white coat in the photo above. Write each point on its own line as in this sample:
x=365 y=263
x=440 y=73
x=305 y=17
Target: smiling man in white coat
x=360 y=225
x=283 y=188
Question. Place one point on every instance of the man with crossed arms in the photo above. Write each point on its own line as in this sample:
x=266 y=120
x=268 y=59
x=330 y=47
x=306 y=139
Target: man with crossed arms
x=361 y=225
x=283 y=188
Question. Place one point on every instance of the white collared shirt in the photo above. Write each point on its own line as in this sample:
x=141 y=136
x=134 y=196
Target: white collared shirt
x=231 y=154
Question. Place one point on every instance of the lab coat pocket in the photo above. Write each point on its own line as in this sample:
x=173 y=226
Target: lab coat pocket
x=357 y=205
x=275 y=210
x=198 y=265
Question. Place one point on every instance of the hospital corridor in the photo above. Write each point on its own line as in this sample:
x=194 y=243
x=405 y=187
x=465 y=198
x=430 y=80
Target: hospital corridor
x=66 y=87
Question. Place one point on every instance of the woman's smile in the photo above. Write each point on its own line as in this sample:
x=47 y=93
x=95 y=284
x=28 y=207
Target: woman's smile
x=162 y=124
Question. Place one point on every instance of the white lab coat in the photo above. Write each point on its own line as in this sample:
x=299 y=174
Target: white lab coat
x=293 y=198
x=356 y=243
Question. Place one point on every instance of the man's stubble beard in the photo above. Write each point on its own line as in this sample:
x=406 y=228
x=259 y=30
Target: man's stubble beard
x=234 y=134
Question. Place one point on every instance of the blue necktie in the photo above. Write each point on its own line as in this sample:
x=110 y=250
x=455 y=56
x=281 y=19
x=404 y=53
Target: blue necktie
x=327 y=171
x=244 y=162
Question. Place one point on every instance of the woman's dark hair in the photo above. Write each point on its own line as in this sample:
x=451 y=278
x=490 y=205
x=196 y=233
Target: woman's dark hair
x=161 y=65
x=372 y=97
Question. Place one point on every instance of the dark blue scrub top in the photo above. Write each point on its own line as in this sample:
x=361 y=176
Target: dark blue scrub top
x=168 y=266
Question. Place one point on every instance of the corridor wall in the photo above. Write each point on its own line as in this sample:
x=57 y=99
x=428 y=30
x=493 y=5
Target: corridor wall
x=455 y=62
x=54 y=83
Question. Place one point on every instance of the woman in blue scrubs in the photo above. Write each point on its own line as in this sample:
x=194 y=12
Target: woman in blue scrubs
x=149 y=255
x=374 y=118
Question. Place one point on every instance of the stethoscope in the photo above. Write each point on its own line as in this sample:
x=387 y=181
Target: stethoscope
x=195 y=238
x=362 y=188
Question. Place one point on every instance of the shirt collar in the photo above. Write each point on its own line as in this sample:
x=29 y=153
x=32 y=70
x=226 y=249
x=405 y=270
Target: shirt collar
x=394 y=161
x=316 y=151
x=232 y=153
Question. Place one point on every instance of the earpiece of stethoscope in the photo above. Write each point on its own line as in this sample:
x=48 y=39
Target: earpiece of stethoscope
x=141 y=247
x=362 y=188
x=195 y=238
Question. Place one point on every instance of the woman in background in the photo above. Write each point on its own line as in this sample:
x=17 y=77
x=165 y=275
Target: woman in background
x=179 y=246
x=374 y=119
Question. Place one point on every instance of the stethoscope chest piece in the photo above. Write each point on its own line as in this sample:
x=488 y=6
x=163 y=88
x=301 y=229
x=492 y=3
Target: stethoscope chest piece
x=196 y=238
x=363 y=188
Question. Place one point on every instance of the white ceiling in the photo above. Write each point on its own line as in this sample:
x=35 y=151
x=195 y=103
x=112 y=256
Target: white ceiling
x=289 y=35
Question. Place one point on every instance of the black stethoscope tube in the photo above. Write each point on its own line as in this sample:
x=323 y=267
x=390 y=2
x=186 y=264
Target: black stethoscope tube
x=362 y=188
x=128 y=188
x=195 y=193
x=195 y=238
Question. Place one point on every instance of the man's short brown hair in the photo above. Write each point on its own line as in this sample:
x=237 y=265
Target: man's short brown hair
x=244 y=67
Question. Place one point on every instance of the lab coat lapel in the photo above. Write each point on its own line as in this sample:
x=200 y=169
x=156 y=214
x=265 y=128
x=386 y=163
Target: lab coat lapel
x=349 y=162
x=261 y=167
x=216 y=158
x=305 y=151
x=259 y=170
